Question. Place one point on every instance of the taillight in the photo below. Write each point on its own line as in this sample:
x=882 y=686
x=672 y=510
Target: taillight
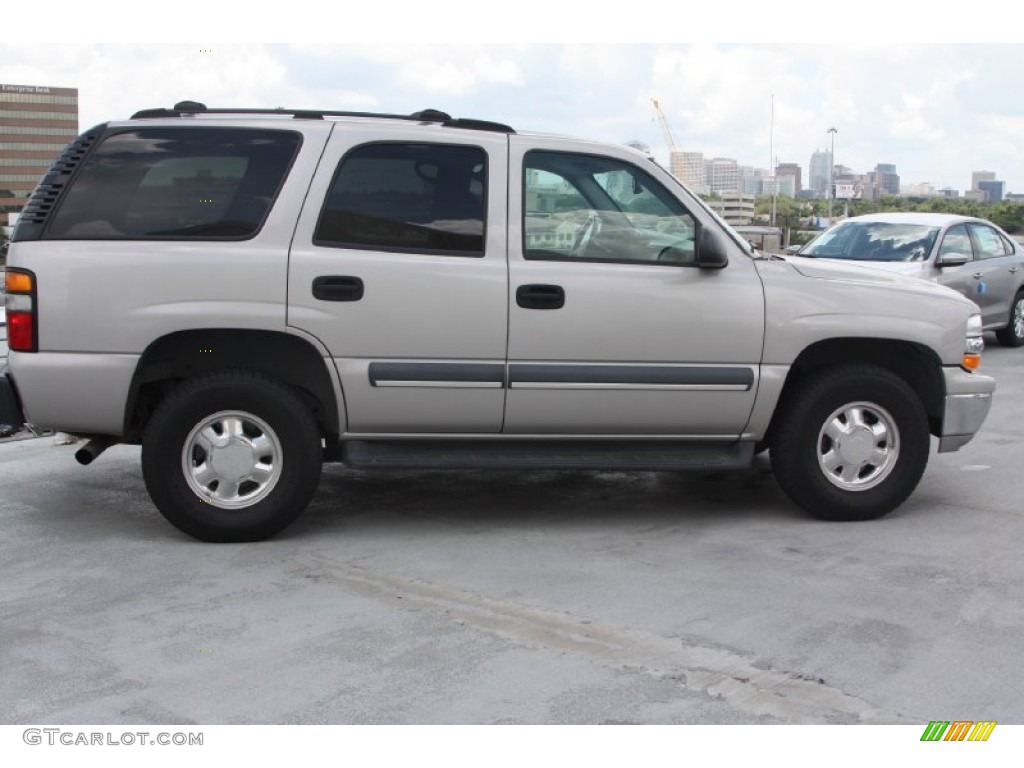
x=20 y=285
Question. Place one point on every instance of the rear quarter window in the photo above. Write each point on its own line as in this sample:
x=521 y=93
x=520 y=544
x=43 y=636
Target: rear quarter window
x=176 y=184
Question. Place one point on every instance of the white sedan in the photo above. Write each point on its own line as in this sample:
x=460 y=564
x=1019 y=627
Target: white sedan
x=970 y=255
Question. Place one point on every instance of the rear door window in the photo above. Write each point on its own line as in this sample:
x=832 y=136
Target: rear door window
x=411 y=198
x=988 y=243
x=177 y=184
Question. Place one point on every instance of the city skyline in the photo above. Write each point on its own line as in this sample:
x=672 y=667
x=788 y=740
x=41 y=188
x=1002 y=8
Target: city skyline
x=938 y=112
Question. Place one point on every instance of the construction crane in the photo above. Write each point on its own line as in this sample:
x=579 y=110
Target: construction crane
x=663 y=122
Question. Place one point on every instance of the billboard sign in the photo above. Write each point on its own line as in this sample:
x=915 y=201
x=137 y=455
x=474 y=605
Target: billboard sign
x=849 y=191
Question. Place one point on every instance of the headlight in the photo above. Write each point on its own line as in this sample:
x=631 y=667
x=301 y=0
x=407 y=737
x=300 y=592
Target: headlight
x=973 y=343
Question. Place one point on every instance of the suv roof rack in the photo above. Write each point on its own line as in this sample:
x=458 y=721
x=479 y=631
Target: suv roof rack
x=423 y=116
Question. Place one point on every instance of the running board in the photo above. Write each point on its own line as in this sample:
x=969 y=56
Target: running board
x=545 y=454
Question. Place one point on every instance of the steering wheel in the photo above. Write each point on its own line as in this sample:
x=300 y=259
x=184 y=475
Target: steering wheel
x=586 y=233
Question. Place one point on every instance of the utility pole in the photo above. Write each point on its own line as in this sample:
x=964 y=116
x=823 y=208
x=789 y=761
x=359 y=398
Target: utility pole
x=771 y=157
x=831 y=172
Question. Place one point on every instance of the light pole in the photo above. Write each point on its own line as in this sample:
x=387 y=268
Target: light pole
x=831 y=172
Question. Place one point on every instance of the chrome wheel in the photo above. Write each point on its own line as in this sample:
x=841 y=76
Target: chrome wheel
x=858 y=446
x=1012 y=334
x=232 y=459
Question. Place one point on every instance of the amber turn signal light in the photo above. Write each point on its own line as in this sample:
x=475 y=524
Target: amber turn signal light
x=971 y=362
x=18 y=282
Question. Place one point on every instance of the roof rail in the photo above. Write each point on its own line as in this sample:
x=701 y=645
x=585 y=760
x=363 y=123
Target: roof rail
x=183 y=108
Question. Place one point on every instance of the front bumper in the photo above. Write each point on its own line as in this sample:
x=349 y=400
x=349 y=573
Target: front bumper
x=10 y=404
x=968 y=399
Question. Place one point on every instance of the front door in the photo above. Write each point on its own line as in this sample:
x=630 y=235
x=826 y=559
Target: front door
x=613 y=329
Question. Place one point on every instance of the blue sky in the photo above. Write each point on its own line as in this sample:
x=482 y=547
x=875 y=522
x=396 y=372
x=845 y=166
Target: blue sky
x=938 y=110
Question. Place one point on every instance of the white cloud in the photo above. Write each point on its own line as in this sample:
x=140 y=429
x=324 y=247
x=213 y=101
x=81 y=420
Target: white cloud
x=937 y=111
x=449 y=75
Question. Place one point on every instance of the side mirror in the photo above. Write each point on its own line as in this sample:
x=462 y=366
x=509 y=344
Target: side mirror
x=952 y=260
x=712 y=251
x=793 y=249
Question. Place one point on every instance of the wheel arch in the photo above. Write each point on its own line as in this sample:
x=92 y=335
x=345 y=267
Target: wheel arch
x=178 y=356
x=915 y=363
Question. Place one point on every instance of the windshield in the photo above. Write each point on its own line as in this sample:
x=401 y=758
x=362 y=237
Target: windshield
x=873 y=241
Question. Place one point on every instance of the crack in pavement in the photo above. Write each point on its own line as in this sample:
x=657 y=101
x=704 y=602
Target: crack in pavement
x=718 y=672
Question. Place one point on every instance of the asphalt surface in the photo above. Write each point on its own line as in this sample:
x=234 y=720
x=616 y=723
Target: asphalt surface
x=523 y=597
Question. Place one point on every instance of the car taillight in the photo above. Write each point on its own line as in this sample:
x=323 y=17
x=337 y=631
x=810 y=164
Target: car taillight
x=20 y=285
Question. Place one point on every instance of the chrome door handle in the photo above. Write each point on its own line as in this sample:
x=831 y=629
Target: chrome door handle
x=978 y=275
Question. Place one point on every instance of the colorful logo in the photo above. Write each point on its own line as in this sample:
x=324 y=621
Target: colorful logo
x=958 y=730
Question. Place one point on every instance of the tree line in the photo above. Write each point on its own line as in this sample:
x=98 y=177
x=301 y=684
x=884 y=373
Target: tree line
x=790 y=212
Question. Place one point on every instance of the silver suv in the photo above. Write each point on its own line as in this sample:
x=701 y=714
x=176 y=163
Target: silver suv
x=247 y=293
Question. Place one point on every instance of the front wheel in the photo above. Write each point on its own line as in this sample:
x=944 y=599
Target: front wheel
x=851 y=443
x=231 y=456
x=1013 y=334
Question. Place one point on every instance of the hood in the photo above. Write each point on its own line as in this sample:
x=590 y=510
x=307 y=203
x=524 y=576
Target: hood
x=911 y=268
x=849 y=269
x=905 y=276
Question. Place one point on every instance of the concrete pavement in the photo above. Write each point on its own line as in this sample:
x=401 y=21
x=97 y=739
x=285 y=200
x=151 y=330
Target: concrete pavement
x=523 y=597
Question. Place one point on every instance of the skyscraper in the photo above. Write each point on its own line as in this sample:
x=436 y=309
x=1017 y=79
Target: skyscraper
x=993 y=189
x=979 y=176
x=885 y=180
x=723 y=175
x=820 y=173
x=792 y=170
x=694 y=175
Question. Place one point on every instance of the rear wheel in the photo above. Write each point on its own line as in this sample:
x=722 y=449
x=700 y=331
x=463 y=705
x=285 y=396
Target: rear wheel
x=1013 y=334
x=231 y=456
x=851 y=443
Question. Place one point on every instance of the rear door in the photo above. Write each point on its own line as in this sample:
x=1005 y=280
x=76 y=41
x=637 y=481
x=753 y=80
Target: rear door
x=989 y=279
x=998 y=268
x=398 y=267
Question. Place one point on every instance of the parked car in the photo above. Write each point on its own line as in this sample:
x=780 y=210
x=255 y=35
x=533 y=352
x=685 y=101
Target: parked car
x=269 y=289
x=970 y=255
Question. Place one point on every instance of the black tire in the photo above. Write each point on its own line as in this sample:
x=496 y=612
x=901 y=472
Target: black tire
x=245 y=482
x=851 y=443
x=1013 y=334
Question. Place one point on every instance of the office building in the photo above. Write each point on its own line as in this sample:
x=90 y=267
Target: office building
x=885 y=180
x=688 y=167
x=979 y=176
x=723 y=175
x=36 y=123
x=819 y=173
x=792 y=170
x=994 y=190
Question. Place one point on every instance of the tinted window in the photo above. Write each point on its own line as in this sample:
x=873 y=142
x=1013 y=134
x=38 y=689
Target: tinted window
x=427 y=198
x=177 y=184
x=589 y=208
